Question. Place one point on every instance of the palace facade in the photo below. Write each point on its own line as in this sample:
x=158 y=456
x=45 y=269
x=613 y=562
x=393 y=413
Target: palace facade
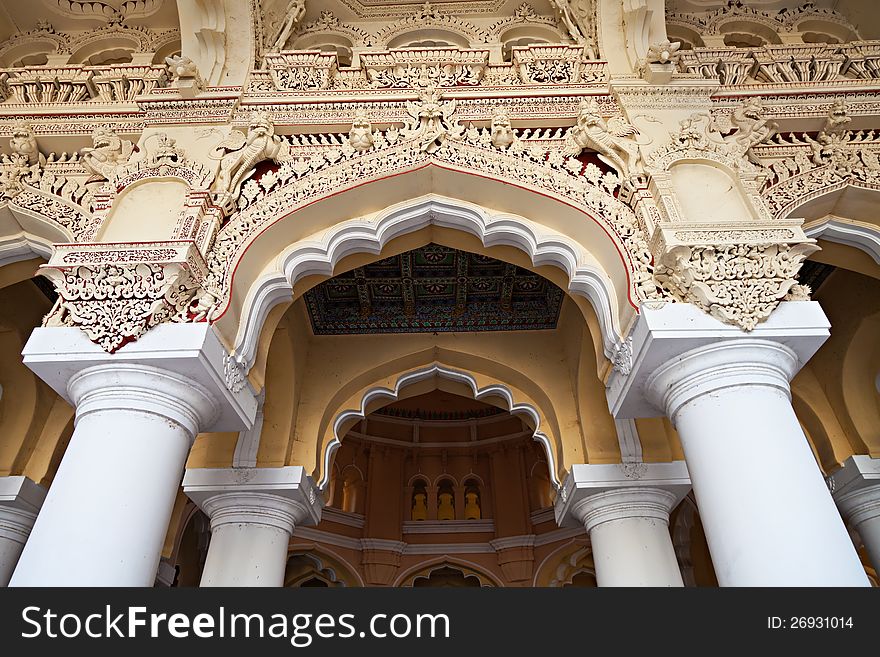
x=466 y=293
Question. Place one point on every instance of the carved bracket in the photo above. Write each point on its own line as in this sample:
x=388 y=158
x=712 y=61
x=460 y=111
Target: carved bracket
x=117 y=292
x=738 y=275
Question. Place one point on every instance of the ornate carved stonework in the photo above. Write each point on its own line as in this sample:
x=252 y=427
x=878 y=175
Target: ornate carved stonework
x=802 y=168
x=613 y=139
x=737 y=283
x=116 y=292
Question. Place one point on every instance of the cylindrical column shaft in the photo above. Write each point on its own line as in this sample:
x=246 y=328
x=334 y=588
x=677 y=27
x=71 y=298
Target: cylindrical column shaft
x=629 y=534
x=768 y=516
x=107 y=512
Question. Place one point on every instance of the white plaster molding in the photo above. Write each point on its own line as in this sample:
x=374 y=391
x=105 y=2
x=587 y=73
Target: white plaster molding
x=20 y=502
x=560 y=534
x=186 y=355
x=322 y=536
x=629 y=441
x=307 y=258
x=448 y=526
x=282 y=498
x=23 y=247
x=856 y=488
x=340 y=517
x=542 y=515
x=382 y=544
x=608 y=491
x=795 y=330
x=356 y=544
x=506 y=542
x=861 y=236
x=426 y=373
x=248 y=444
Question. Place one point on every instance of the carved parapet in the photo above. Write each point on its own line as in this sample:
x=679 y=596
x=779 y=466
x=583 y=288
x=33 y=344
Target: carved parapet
x=302 y=71
x=38 y=84
x=862 y=59
x=117 y=292
x=557 y=64
x=797 y=63
x=75 y=84
x=127 y=81
x=418 y=67
x=736 y=273
x=727 y=65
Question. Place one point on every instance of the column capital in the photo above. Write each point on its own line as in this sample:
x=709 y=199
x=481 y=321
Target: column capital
x=677 y=352
x=180 y=371
x=595 y=493
x=856 y=488
x=20 y=502
x=282 y=498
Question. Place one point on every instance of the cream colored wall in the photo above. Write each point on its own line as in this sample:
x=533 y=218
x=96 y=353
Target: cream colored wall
x=145 y=212
x=35 y=423
x=835 y=394
x=315 y=222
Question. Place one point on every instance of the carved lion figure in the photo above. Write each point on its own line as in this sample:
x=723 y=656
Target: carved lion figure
x=501 y=131
x=361 y=134
x=24 y=145
x=108 y=152
x=244 y=152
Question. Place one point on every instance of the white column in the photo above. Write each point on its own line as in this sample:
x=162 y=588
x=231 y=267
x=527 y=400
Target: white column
x=253 y=513
x=106 y=514
x=20 y=501
x=625 y=509
x=137 y=413
x=768 y=516
x=856 y=489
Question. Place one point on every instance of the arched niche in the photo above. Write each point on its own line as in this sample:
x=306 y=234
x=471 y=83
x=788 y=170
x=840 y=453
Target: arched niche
x=447 y=571
x=145 y=212
x=377 y=388
x=429 y=37
x=709 y=192
x=750 y=32
x=111 y=49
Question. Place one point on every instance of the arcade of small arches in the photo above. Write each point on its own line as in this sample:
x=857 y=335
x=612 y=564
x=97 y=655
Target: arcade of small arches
x=556 y=294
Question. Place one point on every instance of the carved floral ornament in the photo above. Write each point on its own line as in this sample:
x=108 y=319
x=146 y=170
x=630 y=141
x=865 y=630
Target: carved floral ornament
x=737 y=273
x=431 y=132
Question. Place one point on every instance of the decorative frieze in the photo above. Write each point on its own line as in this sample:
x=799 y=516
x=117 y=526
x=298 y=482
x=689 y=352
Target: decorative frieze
x=442 y=67
x=414 y=68
x=299 y=71
x=803 y=167
x=116 y=292
x=431 y=131
x=736 y=283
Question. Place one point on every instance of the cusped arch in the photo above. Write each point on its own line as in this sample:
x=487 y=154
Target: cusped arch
x=25 y=234
x=860 y=365
x=598 y=274
x=20 y=46
x=849 y=232
x=468 y=568
x=390 y=382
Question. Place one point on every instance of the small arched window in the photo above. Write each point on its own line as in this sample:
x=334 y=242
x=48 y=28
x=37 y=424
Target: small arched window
x=352 y=487
x=445 y=500
x=472 y=504
x=419 y=506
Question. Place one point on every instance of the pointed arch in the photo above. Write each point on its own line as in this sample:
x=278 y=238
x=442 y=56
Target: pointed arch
x=381 y=390
x=319 y=256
